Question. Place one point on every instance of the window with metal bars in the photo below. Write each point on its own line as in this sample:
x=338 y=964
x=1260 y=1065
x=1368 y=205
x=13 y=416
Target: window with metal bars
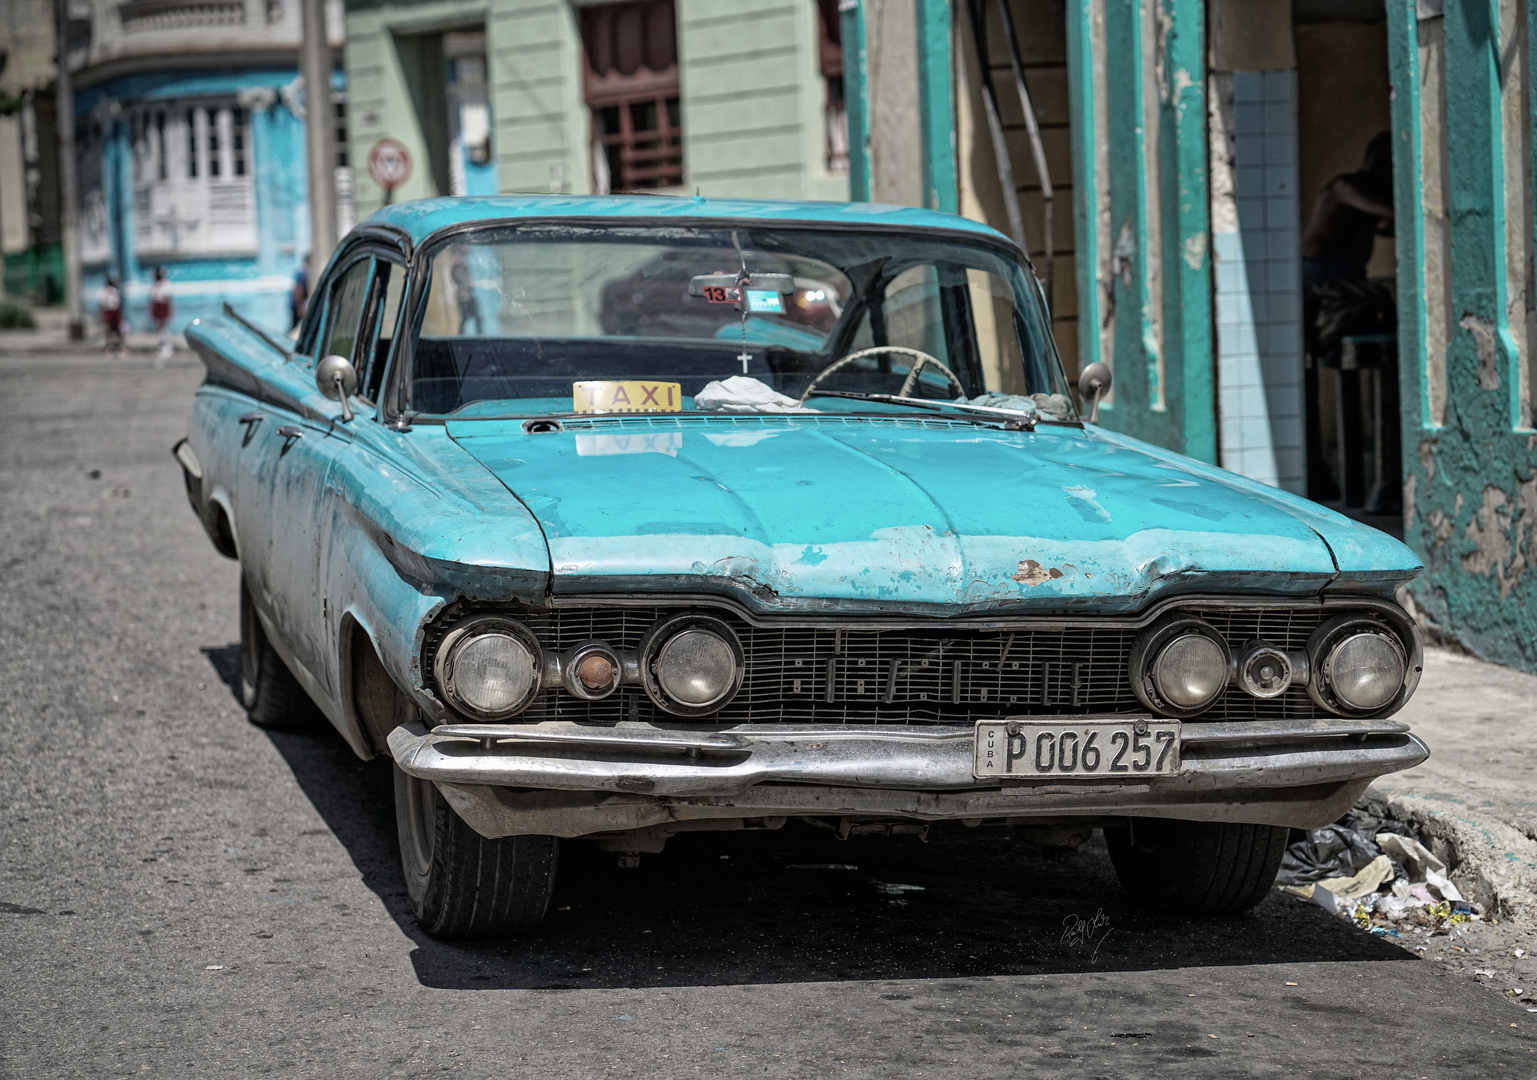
x=631 y=88
x=830 y=60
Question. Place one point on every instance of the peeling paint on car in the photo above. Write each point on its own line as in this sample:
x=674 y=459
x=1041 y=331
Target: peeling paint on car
x=1033 y=573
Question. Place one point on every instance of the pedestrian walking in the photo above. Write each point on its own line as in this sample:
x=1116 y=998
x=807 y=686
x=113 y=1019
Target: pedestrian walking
x=464 y=294
x=160 y=313
x=299 y=295
x=110 y=301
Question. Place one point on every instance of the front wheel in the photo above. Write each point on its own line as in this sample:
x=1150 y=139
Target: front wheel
x=1196 y=867
x=271 y=695
x=461 y=884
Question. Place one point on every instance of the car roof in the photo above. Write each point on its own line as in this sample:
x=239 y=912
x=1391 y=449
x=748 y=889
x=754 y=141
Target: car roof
x=420 y=218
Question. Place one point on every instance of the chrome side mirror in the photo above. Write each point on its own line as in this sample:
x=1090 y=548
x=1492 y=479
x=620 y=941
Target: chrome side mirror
x=337 y=379
x=1094 y=383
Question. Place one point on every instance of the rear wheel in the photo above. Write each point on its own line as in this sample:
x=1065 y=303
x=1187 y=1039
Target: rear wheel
x=271 y=695
x=461 y=884
x=1196 y=867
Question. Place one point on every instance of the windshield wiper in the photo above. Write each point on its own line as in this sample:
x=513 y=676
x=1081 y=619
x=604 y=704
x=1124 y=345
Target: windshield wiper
x=1008 y=419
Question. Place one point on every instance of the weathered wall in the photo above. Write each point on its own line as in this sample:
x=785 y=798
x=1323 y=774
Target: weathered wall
x=896 y=145
x=1470 y=454
x=753 y=100
x=1151 y=184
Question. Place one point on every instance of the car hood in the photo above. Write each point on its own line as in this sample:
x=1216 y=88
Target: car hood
x=911 y=513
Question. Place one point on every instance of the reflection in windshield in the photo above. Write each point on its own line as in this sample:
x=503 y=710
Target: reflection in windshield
x=557 y=319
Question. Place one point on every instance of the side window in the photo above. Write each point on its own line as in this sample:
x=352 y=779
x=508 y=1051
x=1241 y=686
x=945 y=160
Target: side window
x=344 y=311
x=389 y=289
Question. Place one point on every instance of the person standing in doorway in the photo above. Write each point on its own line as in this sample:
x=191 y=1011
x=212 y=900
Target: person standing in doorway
x=1349 y=214
x=110 y=302
x=1351 y=211
x=160 y=313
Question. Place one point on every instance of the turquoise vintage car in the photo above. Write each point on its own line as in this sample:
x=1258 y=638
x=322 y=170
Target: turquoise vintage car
x=611 y=518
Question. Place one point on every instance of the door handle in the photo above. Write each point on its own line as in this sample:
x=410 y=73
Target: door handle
x=253 y=418
x=288 y=431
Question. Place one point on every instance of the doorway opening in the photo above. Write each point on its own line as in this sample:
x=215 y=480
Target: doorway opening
x=1348 y=259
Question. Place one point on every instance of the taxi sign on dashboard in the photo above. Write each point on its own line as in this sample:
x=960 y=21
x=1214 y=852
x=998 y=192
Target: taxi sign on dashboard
x=625 y=396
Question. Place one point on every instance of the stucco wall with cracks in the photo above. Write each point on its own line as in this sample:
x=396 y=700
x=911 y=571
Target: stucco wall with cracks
x=1470 y=454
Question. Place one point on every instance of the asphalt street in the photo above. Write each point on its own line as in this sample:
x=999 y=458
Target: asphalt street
x=183 y=894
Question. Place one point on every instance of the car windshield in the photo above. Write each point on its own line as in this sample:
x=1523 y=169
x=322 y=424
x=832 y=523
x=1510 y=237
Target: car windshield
x=562 y=319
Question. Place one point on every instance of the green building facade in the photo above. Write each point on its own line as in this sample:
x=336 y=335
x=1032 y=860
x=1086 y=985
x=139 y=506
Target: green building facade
x=748 y=80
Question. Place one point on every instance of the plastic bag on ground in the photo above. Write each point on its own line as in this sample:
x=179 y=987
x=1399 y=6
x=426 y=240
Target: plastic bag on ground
x=1331 y=851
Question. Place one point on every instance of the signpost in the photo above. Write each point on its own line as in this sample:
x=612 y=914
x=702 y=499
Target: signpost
x=389 y=163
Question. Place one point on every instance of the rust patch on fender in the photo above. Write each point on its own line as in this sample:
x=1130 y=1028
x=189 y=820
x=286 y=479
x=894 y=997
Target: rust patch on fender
x=1033 y=573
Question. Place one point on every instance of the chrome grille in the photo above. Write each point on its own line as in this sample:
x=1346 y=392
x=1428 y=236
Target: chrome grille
x=830 y=672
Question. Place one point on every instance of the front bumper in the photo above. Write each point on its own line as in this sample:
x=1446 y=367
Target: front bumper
x=567 y=779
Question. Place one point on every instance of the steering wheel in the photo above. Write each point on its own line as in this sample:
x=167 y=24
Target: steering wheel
x=921 y=360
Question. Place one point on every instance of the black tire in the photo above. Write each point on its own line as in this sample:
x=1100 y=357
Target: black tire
x=461 y=884
x=1196 y=867
x=271 y=695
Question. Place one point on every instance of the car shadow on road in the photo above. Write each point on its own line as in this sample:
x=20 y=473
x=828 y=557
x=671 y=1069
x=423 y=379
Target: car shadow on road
x=800 y=905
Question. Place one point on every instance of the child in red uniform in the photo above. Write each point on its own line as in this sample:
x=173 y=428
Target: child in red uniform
x=160 y=313
x=110 y=301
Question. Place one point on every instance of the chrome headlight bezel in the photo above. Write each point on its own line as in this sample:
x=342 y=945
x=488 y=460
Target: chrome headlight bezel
x=571 y=667
x=661 y=635
x=1149 y=649
x=1323 y=648
x=462 y=635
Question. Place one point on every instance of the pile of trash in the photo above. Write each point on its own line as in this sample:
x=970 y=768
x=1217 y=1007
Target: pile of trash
x=1377 y=874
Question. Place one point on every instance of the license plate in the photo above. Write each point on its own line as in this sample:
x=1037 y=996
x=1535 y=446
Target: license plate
x=1061 y=747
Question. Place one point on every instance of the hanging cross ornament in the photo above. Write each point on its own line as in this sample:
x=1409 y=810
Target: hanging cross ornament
x=743 y=283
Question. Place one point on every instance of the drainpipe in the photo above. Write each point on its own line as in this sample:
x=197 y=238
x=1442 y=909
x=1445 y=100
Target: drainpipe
x=69 y=185
x=936 y=106
x=319 y=134
x=856 y=98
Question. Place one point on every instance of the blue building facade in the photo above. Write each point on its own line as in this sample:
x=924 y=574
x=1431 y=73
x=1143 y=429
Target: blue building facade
x=202 y=173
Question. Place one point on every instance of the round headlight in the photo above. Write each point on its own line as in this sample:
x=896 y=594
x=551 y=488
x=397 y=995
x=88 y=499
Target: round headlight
x=691 y=664
x=1190 y=671
x=1179 y=666
x=489 y=667
x=1365 y=670
x=1361 y=666
x=696 y=668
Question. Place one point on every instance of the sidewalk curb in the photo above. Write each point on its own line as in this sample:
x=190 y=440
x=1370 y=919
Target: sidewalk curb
x=1492 y=862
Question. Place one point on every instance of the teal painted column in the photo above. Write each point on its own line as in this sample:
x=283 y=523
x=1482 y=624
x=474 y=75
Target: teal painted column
x=1186 y=195
x=1136 y=352
x=856 y=98
x=936 y=106
x=1171 y=403
x=1409 y=224
x=1475 y=144
x=1081 y=112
